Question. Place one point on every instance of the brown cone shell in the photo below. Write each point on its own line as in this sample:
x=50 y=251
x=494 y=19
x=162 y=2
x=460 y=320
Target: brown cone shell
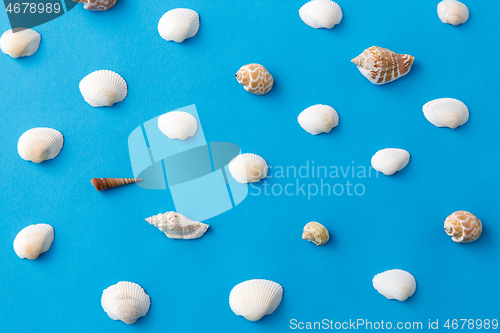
x=107 y=183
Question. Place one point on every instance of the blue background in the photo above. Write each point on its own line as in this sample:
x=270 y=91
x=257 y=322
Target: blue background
x=102 y=238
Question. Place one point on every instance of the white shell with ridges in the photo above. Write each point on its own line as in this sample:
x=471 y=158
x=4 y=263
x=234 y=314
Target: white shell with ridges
x=452 y=12
x=103 y=88
x=248 y=168
x=21 y=43
x=390 y=160
x=395 y=284
x=254 y=299
x=318 y=119
x=179 y=24
x=33 y=240
x=178 y=125
x=321 y=14
x=176 y=225
x=125 y=301
x=446 y=112
x=40 y=144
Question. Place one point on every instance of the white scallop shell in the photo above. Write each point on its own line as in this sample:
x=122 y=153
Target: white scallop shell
x=446 y=112
x=178 y=125
x=395 y=284
x=176 y=225
x=321 y=14
x=125 y=301
x=40 y=144
x=103 y=88
x=248 y=168
x=254 y=299
x=21 y=43
x=390 y=160
x=318 y=119
x=33 y=240
x=452 y=12
x=179 y=24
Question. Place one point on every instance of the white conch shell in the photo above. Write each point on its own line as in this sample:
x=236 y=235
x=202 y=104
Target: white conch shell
x=176 y=225
x=179 y=24
x=40 y=144
x=125 y=301
x=316 y=232
x=463 y=227
x=103 y=88
x=453 y=12
x=318 y=119
x=254 y=299
x=390 y=160
x=21 y=43
x=178 y=125
x=446 y=112
x=321 y=14
x=33 y=240
x=248 y=168
x=395 y=284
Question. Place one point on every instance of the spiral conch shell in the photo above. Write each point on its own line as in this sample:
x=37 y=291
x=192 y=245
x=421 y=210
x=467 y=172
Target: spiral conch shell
x=102 y=184
x=255 y=79
x=97 y=5
x=382 y=66
x=452 y=12
x=176 y=225
x=20 y=43
x=463 y=227
x=316 y=233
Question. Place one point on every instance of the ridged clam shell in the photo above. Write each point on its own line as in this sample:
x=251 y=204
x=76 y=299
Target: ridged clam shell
x=102 y=184
x=452 y=12
x=255 y=78
x=254 y=299
x=97 y=5
x=318 y=119
x=178 y=125
x=125 y=301
x=446 y=112
x=321 y=14
x=21 y=43
x=316 y=232
x=103 y=88
x=248 y=168
x=179 y=24
x=463 y=227
x=382 y=66
x=390 y=160
x=176 y=225
x=33 y=240
x=395 y=284
x=40 y=144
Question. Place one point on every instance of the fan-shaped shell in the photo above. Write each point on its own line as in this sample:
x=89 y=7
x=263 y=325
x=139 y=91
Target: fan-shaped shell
x=390 y=160
x=97 y=5
x=254 y=299
x=40 y=144
x=316 y=232
x=176 y=225
x=21 y=43
x=453 y=12
x=446 y=112
x=178 y=125
x=463 y=227
x=179 y=24
x=103 y=88
x=255 y=78
x=33 y=240
x=248 y=168
x=395 y=284
x=125 y=301
x=321 y=14
x=382 y=66
x=318 y=119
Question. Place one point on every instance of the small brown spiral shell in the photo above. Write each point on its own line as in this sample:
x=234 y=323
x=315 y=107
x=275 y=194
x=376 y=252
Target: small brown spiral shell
x=107 y=183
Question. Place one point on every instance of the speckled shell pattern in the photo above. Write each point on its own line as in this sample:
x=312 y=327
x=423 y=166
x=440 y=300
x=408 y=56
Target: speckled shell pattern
x=381 y=65
x=102 y=184
x=463 y=227
x=97 y=5
x=255 y=79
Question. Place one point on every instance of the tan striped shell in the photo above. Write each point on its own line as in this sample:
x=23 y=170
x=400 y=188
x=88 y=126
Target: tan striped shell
x=102 y=184
x=255 y=79
x=97 y=5
x=463 y=227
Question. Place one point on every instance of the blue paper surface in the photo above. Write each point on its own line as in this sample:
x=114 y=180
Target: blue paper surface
x=385 y=222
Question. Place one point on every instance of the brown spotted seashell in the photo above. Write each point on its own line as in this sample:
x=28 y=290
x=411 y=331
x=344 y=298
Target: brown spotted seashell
x=255 y=79
x=97 y=5
x=463 y=227
x=107 y=183
x=381 y=65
